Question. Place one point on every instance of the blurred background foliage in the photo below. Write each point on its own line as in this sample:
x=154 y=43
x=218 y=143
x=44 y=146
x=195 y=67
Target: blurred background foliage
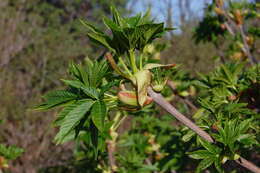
x=38 y=40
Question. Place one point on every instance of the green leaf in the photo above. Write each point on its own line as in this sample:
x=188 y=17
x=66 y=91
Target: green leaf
x=187 y=137
x=200 y=154
x=72 y=116
x=91 y=27
x=110 y=24
x=247 y=139
x=11 y=152
x=204 y=164
x=94 y=138
x=199 y=113
x=133 y=21
x=244 y=125
x=217 y=164
x=101 y=39
x=211 y=148
x=89 y=91
x=116 y=17
x=98 y=114
x=74 y=70
x=143 y=80
x=56 y=98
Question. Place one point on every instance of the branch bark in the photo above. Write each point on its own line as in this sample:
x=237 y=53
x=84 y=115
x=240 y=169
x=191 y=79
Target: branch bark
x=159 y=99
x=111 y=158
x=239 y=28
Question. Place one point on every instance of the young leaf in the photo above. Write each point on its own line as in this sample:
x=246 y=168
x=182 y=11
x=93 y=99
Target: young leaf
x=116 y=17
x=98 y=114
x=56 y=98
x=91 y=27
x=204 y=164
x=11 y=152
x=187 y=137
x=94 y=137
x=89 y=91
x=75 y=112
x=211 y=148
x=200 y=154
x=217 y=164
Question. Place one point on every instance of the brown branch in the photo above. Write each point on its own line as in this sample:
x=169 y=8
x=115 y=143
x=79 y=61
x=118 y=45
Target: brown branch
x=111 y=158
x=250 y=166
x=159 y=99
x=240 y=29
x=246 y=47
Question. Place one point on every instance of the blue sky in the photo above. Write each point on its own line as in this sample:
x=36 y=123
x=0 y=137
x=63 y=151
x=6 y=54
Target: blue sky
x=158 y=7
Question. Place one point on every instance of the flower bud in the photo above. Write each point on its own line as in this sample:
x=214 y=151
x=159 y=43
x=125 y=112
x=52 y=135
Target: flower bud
x=232 y=98
x=159 y=156
x=237 y=56
x=223 y=26
x=3 y=162
x=238 y=17
x=158 y=88
x=130 y=98
x=250 y=40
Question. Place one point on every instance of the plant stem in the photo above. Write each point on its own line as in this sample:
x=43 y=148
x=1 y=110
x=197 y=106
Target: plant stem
x=246 y=48
x=111 y=96
x=125 y=67
x=120 y=121
x=132 y=60
x=159 y=99
x=141 y=61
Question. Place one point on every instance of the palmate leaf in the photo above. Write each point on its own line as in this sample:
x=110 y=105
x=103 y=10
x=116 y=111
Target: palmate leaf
x=218 y=166
x=109 y=85
x=98 y=114
x=99 y=71
x=117 y=18
x=94 y=134
x=91 y=73
x=89 y=91
x=205 y=163
x=56 y=98
x=211 y=148
x=11 y=152
x=102 y=39
x=128 y=33
x=200 y=154
x=133 y=21
x=72 y=115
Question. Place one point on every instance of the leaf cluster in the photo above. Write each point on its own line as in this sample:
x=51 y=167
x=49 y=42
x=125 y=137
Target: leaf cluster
x=128 y=33
x=84 y=110
x=227 y=116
